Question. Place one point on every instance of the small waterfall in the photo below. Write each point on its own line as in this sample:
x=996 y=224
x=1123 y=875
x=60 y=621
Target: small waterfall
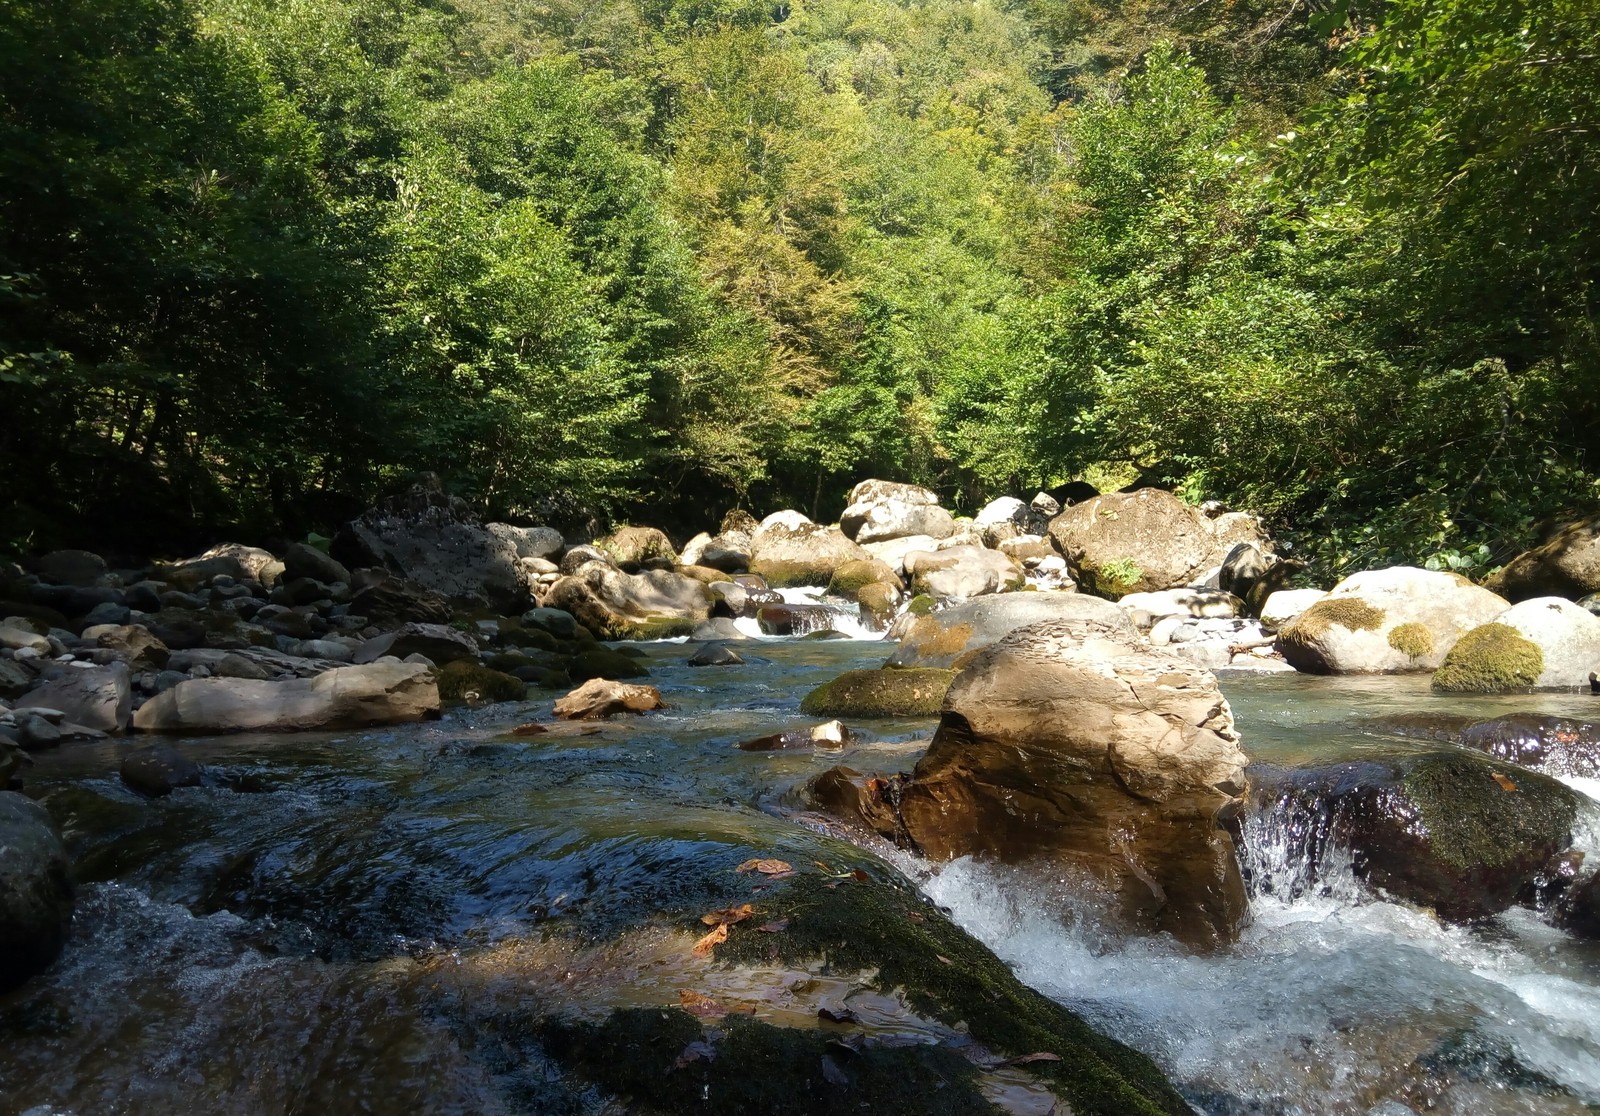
x=1287 y=852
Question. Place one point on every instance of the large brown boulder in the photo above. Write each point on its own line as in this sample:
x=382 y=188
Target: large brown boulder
x=345 y=697
x=960 y=572
x=652 y=604
x=789 y=549
x=951 y=637
x=1396 y=620
x=1133 y=542
x=1098 y=754
x=1565 y=565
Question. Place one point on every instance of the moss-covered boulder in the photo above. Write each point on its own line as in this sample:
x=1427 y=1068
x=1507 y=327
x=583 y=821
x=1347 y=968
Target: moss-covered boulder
x=885 y=692
x=851 y=578
x=1452 y=830
x=1490 y=659
x=634 y=548
x=725 y=1048
x=877 y=603
x=603 y=662
x=472 y=682
x=1389 y=621
x=1565 y=635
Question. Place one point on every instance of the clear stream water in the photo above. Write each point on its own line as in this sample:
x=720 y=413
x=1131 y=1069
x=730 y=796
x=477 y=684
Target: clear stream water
x=344 y=922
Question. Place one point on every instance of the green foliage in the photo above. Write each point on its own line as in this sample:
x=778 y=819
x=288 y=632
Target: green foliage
x=261 y=259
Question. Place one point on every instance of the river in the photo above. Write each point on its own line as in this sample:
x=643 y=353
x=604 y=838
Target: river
x=344 y=922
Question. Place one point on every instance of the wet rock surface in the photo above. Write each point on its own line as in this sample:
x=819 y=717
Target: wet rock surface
x=1450 y=830
x=35 y=890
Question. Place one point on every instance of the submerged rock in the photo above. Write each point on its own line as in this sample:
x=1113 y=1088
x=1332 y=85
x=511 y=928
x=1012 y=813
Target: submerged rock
x=945 y=1013
x=470 y=681
x=35 y=890
x=599 y=698
x=1395 y=620
x=344 y=697
x=884 y=692
x=159 y=769
x=715 y=654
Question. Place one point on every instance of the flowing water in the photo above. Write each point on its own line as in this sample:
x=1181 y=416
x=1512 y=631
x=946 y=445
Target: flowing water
x=356 y=922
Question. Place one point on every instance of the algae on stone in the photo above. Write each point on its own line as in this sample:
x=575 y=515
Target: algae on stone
x=1491 y=658
x=881 y=692
x=465 y=680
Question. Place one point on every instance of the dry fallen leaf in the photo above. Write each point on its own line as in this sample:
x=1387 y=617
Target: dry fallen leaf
x=943 y=958
x=1505 y=783
x=532 y=728
x=1043 y=1056
x=728 y=917
x=705 y=945
x=767 y=867
x=915 y=917
x=775 y=927
x=703 y=1006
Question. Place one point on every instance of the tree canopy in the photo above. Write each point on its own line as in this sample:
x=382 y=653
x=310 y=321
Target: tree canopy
x=260 y=259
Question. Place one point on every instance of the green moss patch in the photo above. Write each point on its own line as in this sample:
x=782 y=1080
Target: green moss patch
x=661 y=627
x=1112 y=579
x=784 y=575
x=915 y=692
x=464 y=680
x=755 y=1067
x=921 y=605
x=1491 y=658
x=603 y=662
x=1351 y=613
x=946 y=974
x=1481 y=815
x=1414 y=640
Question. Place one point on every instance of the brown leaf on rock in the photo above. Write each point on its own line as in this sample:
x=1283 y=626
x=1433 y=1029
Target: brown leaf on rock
x=532 y=728
x=860 y=876
x=728 y=917
x=777 y=926
x=705 y=945
x=1505 y=783
x=943 y=958
x=775 y=868
x=700 y=1005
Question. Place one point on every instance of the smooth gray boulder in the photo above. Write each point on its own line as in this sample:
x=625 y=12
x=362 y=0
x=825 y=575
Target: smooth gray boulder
x=950 y=637
x=345 y=697
x=95 y=697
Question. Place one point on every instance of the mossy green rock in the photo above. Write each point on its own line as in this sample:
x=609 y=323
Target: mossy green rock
x=464 y=680
x=883 y=692
x=603 y=662
x=881 y=929
x=1452 y=830
x=1493 y=658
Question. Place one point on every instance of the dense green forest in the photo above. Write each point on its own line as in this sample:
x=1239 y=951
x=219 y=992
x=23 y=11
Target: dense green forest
x=651 y=259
